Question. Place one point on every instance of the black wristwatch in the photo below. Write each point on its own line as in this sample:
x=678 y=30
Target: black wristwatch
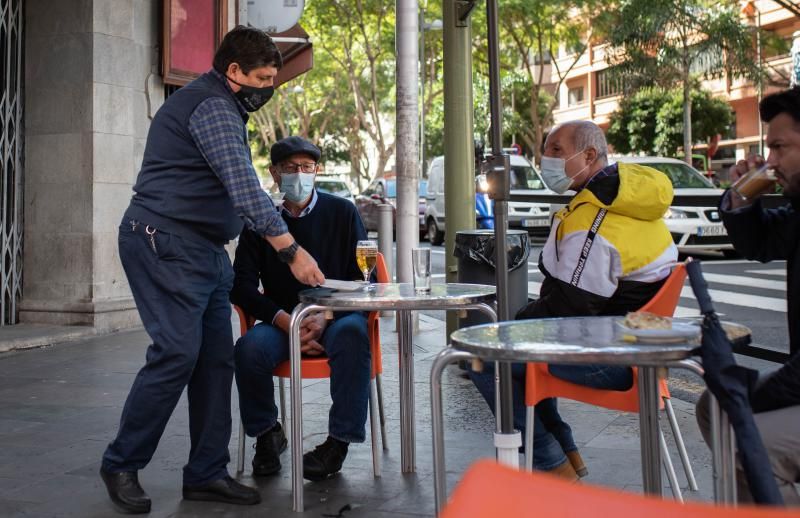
x=287 y=254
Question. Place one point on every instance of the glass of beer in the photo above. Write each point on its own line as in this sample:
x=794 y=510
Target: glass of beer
x=366 y=257
x=754 y=183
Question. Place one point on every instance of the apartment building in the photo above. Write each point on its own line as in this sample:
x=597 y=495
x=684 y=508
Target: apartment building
x=588 y=92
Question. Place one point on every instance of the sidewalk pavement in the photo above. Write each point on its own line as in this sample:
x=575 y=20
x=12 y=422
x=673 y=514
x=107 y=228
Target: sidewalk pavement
x=60 y=406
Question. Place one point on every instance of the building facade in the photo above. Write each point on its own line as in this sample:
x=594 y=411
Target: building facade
x=589 y=93
x=78 y=95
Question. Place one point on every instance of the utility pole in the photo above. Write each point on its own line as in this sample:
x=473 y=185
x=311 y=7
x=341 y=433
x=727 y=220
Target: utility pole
x=459 y=149
x=407 y=127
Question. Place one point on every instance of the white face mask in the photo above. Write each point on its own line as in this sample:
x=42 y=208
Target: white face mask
x=554 y=173
x=297 y=186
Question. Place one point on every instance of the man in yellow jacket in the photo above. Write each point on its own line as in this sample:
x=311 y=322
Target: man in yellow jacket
x=608 y=252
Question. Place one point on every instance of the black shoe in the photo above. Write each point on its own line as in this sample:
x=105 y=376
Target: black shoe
x=325 y=460
x=223 y=490
x=125 y=491
x=269 y=445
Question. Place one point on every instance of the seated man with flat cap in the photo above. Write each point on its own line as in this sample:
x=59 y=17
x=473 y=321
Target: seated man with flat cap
x=329 y=228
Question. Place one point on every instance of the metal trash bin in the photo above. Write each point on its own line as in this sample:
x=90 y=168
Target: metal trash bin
x=475 y=250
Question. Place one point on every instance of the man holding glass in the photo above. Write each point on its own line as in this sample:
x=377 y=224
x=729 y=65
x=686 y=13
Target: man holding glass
x=330 y=229
x=764 y=235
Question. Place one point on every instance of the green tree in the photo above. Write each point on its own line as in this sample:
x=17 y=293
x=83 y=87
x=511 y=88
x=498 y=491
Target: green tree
x=650 y=121
x=535 y=30
x=668 y=42
x=712 y=116
x=632 y=128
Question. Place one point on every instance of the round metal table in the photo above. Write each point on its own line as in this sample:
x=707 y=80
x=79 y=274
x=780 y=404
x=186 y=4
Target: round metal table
x=378 y=297
x=577 y=340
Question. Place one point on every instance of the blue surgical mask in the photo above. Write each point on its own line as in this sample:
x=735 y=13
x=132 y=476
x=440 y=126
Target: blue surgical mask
x=297 y=186
x=554 y=173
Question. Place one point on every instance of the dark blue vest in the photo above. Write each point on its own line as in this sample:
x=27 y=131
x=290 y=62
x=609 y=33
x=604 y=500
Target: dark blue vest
x=176 y=190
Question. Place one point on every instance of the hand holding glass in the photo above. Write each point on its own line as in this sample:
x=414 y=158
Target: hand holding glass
x=367 y=257
x=421 y=259
x=754 y=183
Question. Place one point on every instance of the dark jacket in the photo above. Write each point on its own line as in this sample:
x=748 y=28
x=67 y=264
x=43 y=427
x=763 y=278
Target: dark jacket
x=770 y=235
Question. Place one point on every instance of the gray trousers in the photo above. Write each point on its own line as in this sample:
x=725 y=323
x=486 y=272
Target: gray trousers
x=780 y=432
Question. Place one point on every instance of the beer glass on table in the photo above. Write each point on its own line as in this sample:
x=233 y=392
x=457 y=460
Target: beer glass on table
x=367 y=257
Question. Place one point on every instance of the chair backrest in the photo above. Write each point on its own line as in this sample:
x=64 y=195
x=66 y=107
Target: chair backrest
x=489 y=490
x=381 y=272
x=666 y=299
x=540 y=384
x=246 y=322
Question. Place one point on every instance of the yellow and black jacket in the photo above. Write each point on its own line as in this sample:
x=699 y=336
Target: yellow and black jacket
x=609 y=250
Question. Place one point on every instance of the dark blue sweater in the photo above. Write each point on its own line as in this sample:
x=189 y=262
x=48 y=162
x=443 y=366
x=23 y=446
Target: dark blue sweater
x=329 y=233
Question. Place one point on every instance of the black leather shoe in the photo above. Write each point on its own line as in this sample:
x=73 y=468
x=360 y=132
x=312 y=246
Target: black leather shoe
x=224 y=490
x=325 y=460
x=269 y=445
x=125 y=491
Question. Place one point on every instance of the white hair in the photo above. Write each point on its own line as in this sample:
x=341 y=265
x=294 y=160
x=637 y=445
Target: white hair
x=587 y=135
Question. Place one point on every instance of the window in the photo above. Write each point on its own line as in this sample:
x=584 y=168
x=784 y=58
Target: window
x=524 y=177
x=608 y=83
x=681 y=175
x=575 y=96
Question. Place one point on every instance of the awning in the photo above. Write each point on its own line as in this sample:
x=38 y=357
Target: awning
x=297 y=51
x=189 y=50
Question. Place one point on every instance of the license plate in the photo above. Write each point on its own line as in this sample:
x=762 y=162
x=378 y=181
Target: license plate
x=717 y=230
x=537 y=222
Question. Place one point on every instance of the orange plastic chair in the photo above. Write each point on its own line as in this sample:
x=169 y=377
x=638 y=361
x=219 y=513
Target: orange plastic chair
x=489 y=490
x=317 y=367
x=540 y=384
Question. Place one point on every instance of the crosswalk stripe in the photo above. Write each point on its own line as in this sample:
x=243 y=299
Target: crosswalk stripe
x=741 y=299
x=779 y=273
x=682 y=311
x=740 y=280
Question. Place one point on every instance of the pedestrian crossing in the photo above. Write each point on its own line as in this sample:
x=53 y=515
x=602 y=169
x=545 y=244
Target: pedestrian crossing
x=725 y=289
x=722 y=288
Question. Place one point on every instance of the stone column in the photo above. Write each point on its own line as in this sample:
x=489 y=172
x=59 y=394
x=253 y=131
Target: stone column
x=92 y=84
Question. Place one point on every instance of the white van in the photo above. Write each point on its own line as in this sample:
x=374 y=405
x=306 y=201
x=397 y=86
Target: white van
x=525 y=179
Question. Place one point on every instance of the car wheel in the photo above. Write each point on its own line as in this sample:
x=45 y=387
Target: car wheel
x=731 y=254
x=435 y=236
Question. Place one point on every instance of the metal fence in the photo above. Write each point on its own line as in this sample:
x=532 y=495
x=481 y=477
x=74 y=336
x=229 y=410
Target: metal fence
x=11 y=157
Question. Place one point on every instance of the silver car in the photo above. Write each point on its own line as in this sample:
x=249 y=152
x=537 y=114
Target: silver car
x=334 y=186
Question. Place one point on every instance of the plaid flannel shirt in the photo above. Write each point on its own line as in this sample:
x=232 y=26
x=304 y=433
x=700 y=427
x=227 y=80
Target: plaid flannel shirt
x=221 y=136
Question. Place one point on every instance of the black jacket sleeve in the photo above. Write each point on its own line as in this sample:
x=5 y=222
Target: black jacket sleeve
x=779 y=390
x=560 y=299
x=250 y=256
x=357 y=233
x=761 y=234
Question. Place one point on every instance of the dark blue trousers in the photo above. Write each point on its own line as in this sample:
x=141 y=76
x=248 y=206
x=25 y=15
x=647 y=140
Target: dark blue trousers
x=181 y=290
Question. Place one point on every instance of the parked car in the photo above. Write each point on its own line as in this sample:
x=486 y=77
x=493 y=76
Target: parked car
x=693 y=228
x=334 y=186
x=384 y=190
x=525 y=179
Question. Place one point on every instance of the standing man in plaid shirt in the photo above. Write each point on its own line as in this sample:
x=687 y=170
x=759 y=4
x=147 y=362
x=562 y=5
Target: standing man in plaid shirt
x=196 y=190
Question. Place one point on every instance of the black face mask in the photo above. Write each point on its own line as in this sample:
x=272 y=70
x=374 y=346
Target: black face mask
x=253 y=98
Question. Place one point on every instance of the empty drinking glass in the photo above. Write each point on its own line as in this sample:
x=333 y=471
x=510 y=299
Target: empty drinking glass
x=421 y=259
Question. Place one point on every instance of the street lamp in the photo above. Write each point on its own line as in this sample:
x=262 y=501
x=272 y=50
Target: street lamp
x=435 y=25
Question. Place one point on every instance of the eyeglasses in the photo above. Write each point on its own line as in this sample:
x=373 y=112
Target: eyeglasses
x=291 y=167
